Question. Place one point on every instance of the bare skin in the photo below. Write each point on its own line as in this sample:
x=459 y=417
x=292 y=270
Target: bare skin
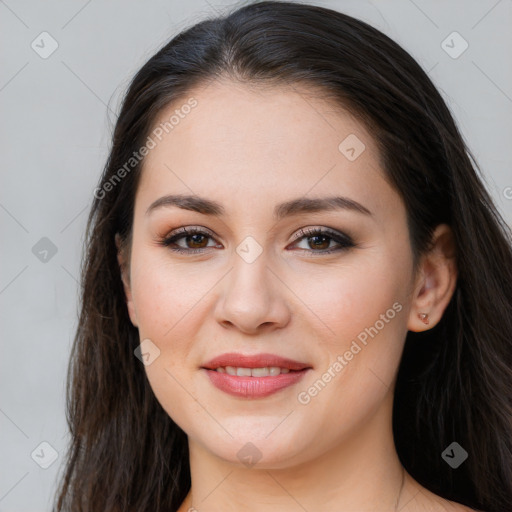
x=413 y=498
x=250 y=149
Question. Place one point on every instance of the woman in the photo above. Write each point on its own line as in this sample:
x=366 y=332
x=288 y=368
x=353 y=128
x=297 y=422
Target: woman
x=296 y=292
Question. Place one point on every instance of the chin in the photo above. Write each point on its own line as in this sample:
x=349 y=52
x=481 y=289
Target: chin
x=258 y=450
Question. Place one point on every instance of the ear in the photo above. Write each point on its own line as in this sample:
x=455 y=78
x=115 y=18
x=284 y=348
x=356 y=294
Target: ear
x=125 y=277
x=436 y=281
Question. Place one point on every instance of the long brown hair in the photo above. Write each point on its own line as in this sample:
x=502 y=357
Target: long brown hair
x=454 y=380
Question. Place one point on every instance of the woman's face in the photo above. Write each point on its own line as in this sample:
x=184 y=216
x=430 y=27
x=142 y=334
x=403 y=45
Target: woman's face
x=334 y=298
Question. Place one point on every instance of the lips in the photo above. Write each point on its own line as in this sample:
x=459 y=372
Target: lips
x=254 y=361
x=283 y=373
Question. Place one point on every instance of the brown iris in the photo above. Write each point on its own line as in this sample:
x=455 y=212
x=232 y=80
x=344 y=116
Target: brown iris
x=326 y=240
x=195 y=241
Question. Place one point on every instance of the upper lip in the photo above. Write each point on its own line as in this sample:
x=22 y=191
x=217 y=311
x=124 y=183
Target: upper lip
x=254 y=361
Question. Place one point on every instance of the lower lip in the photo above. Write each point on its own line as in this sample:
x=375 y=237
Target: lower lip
x=253 y=387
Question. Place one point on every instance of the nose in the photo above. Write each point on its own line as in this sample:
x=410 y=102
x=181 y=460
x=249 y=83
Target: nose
x=253 y=298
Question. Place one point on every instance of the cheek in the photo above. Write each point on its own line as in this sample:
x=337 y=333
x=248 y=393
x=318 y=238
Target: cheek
x=365 y=307
x=166 y=294
x=168 y=302
x=351 y=296
x=334 y=306
x=339 y=302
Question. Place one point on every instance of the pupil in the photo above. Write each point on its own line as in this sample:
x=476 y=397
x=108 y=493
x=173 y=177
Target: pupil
x=317 y=237
x=195 y=237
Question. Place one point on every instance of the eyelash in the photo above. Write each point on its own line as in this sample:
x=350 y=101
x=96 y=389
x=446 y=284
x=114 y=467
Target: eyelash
x=344 y=241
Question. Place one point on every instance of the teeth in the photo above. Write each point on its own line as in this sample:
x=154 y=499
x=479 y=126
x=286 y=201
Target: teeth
x=271 y=371
x=260 y=372
x=243 y=372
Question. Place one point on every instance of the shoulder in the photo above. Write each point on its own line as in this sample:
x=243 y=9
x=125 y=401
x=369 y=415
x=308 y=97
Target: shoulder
x=438 y=504
x=443 y=505
x=458 y=507
x=421 y=499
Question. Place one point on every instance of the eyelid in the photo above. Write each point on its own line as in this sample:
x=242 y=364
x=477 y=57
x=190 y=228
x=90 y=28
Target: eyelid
x=324 y=230
x=300 y=233
x=184 y=230
x=344 y=241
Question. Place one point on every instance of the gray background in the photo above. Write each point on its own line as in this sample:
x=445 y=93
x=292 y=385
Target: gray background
x=56 y=115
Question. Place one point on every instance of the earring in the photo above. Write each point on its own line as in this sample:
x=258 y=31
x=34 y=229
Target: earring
x=424 y=318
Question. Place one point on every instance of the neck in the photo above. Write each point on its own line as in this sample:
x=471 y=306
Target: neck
x=362 y=472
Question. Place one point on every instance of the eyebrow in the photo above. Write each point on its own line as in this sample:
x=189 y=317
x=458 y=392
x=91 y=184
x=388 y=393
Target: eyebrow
x=287 y=209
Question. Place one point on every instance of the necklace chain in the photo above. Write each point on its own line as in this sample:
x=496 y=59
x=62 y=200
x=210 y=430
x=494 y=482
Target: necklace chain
x=401 y=489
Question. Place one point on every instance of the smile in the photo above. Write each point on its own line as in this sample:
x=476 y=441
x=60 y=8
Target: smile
x=267 y=371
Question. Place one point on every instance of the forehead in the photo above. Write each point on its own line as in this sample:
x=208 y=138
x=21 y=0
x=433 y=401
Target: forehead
x=248 y=143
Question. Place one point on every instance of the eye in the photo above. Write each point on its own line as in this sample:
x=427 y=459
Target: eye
x=321 y=238
x=197 y=238
x=318 y=240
